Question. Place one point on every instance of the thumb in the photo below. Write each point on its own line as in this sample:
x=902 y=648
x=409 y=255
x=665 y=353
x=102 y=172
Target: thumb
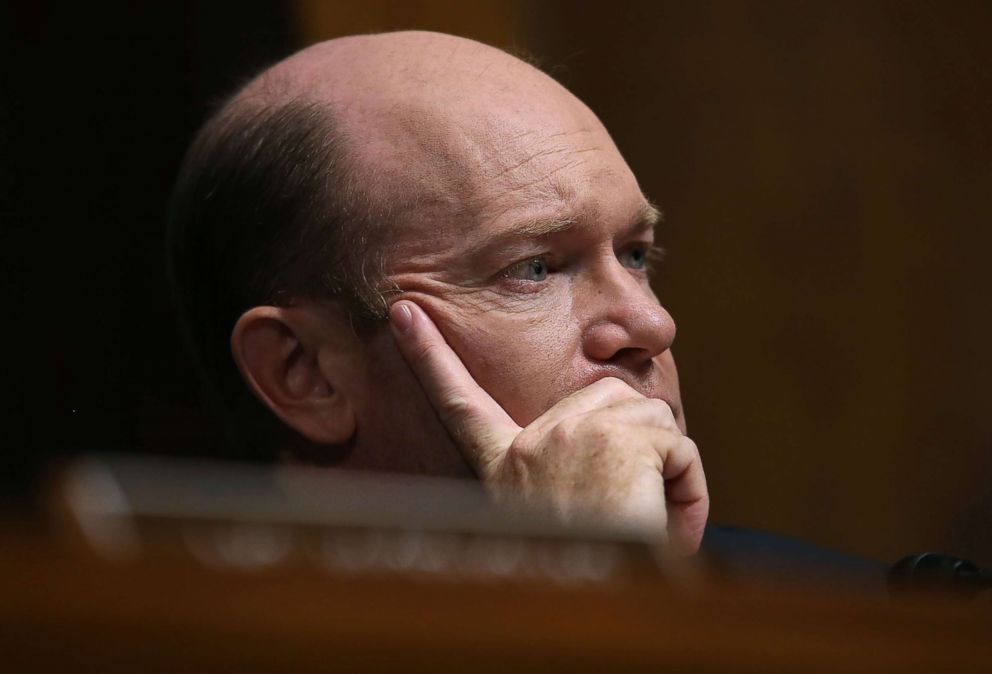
x=481 y=429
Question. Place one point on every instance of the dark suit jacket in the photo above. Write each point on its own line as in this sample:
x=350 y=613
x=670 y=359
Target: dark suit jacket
x=742 y=554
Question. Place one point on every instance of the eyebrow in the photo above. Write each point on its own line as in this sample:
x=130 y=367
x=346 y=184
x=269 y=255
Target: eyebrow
x=646 y=219
x=538 y=227
x=524 y=229
x=649 y=216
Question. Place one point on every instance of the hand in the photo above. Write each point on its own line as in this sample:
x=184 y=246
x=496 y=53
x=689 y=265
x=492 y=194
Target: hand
x=606 y=447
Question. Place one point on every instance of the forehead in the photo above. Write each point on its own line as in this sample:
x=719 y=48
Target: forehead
x=468 y=170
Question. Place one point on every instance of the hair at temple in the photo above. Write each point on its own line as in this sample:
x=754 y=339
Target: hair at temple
x=264 y=211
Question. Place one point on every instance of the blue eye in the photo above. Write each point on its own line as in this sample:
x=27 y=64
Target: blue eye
x=634 y=258
x=529 y=270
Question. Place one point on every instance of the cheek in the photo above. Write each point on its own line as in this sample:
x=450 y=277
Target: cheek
x=669 y=381
x=523 y=359
x=398 y=430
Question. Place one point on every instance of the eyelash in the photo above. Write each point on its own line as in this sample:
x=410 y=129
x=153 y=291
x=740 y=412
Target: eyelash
x=652 y=254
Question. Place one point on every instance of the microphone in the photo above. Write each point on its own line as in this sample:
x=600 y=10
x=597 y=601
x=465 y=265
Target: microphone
x=935 y=572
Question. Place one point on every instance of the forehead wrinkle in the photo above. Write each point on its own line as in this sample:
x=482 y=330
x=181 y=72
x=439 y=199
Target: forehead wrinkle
x=510 y=154
x=542 y=153
x=551 y=187
x=549 y=195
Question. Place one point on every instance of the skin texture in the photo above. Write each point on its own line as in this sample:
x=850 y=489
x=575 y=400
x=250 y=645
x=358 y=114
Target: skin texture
x=526 y=345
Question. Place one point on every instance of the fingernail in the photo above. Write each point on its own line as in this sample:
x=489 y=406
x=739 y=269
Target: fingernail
x=401 y=316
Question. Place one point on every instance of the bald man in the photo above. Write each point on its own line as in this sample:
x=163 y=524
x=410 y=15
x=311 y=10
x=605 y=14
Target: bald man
x=423 y=255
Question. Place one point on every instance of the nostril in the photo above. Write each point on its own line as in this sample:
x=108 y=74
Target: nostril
x=632 y=359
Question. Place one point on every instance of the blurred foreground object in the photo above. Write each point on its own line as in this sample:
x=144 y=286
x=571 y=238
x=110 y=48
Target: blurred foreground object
x=242 y=516
x=191 y=567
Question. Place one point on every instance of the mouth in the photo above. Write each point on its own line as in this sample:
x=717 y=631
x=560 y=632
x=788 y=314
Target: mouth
x=650 y=384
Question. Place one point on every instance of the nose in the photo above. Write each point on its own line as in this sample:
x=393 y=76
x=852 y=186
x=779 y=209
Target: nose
x=625 y=323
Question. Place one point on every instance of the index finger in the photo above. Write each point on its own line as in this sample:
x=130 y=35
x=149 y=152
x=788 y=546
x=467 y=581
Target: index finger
x=481 y=429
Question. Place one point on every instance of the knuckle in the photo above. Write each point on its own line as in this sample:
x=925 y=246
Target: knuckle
x=661 y=406
x=516 y=463
x=425 y=351
x=663 y=412
x=563 y=433
x=453 y=407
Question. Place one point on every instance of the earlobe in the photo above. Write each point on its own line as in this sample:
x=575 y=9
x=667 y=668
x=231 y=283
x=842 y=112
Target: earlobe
x=276 y=350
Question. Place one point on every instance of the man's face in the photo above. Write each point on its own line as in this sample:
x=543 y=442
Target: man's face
x=513 y=222
x=525 y=237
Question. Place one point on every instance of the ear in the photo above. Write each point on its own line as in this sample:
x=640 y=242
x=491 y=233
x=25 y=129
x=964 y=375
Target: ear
x=277 y=351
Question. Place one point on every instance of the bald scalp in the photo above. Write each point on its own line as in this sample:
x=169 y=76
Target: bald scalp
x=363 y=74
x=424 y=118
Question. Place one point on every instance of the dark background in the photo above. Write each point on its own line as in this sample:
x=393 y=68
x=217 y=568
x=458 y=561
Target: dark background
x=104 y=100
x=825 y=169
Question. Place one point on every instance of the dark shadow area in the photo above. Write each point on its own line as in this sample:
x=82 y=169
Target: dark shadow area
x=100 y=105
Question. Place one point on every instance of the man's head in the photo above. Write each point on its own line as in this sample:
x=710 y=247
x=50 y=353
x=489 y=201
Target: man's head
x=430 y=168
